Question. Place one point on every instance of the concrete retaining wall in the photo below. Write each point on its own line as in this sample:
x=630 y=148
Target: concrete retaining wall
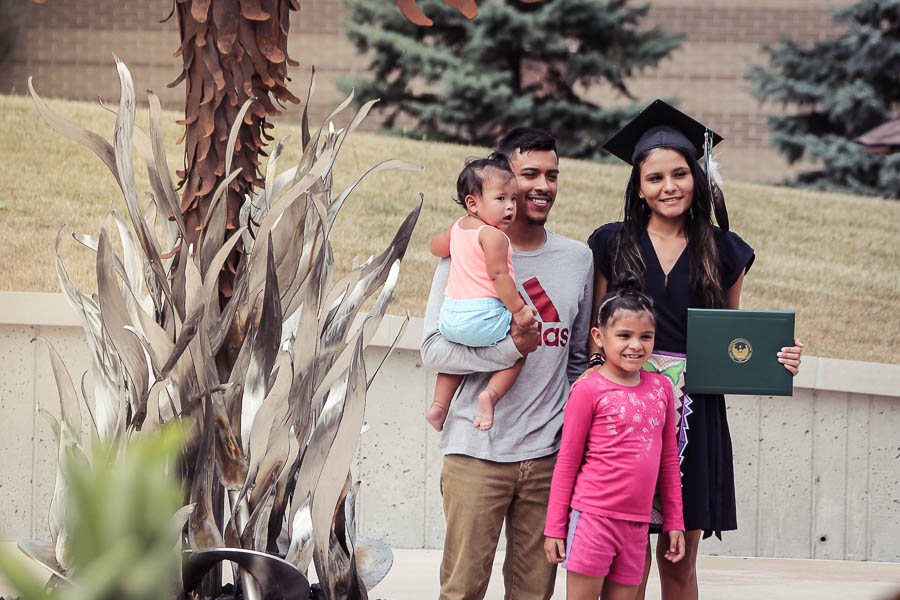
x=818 y=475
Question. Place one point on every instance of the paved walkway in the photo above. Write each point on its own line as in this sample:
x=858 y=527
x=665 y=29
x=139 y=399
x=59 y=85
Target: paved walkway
x=414 y=576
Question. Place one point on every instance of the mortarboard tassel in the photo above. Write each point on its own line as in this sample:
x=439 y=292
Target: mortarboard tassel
x=715 y=182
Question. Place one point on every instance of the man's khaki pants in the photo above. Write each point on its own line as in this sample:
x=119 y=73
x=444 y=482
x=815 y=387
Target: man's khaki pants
x=478 y=496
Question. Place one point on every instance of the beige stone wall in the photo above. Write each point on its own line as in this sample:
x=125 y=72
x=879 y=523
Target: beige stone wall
x=68 y=45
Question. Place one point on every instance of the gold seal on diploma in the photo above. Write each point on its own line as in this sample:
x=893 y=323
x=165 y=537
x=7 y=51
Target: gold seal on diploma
x=740 y=350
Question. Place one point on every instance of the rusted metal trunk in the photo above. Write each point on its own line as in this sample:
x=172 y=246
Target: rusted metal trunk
x=231 y=50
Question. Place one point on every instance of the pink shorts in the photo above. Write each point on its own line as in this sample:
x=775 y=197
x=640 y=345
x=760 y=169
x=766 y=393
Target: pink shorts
x=600 y=546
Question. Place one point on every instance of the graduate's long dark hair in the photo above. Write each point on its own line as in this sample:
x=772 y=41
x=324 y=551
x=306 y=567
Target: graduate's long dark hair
x=628 y=265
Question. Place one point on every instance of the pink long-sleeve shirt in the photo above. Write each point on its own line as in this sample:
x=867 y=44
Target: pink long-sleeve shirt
x=616 y=442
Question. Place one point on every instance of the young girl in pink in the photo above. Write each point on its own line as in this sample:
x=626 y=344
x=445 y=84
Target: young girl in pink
x=618 y=442
x=481 y=298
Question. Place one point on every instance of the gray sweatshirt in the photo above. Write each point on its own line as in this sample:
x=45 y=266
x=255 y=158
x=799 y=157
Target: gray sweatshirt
x=557 y=280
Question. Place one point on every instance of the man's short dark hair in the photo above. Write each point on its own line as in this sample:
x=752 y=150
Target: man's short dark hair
x=526 y=139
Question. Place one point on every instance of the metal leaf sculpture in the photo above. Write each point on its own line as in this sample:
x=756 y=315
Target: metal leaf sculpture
x=234 y=54
x=277 y=428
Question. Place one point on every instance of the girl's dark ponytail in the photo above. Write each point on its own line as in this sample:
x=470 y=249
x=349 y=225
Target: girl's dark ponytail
x=623 y=299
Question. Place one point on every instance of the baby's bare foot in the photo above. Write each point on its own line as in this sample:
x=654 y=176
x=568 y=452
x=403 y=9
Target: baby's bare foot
x=484 y=420
x=436 y=415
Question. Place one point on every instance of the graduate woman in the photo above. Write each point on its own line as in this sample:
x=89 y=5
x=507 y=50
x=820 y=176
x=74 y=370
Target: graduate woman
x=668 y=248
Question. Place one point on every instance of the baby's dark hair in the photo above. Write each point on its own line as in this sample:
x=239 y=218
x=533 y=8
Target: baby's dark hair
x=623 y=299
x=476 y=171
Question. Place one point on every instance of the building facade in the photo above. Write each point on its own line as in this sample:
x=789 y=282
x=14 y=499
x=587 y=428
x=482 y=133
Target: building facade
x=68 y=46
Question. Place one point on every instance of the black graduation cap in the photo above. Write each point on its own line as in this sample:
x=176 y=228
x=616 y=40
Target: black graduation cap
x=659 y=125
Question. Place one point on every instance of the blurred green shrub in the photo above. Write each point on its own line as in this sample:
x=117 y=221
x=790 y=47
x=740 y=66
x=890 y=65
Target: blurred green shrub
x=122 y=540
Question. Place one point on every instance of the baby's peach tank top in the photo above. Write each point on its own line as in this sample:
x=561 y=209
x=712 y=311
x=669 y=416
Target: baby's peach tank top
x=468 y=272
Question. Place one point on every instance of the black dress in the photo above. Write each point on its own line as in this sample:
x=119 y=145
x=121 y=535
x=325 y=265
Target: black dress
x=706 y=464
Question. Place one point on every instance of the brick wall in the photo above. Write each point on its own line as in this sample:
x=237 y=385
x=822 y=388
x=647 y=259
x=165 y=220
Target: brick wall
x=67 y=46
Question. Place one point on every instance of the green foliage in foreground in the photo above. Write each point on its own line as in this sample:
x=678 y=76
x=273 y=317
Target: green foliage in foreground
x=838 y=89
x=123 y=542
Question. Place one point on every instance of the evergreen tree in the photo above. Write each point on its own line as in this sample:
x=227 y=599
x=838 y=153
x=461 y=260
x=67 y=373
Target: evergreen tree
x=836 y=90
x=11 y=16
x=514 y=64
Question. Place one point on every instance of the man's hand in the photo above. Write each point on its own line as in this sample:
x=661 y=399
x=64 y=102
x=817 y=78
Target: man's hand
x=676 y=546
x=526 y=339
x=555 y=549
x=525 y=316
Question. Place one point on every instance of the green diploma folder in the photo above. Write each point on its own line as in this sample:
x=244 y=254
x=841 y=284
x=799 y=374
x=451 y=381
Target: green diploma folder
x=735 y=352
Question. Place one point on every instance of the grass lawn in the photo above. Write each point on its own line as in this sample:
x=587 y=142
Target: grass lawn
x=833 y=258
